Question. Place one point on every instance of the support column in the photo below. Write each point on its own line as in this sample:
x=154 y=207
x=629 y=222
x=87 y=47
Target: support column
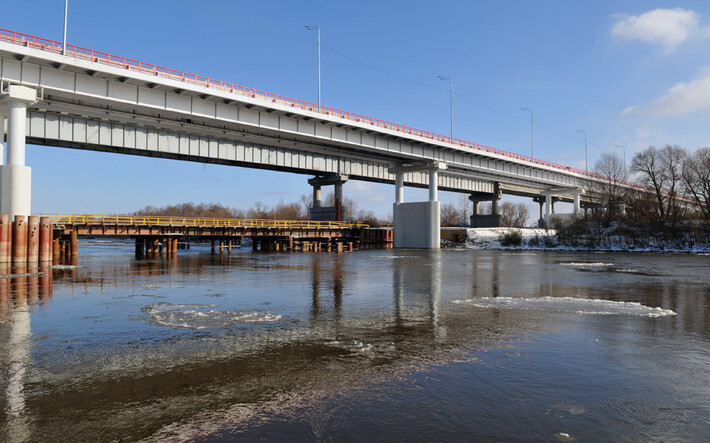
x=576 y=203
x=32 y=239
x=5 y=239
x=497 y=195
x=548 y=205
x=494 y=206
x=399 y=187
x=318 y=212
x=316 y=196
x=15 y=177
x=338 y=201
x=45 y=240
x=541 y=220
x=417 y=224
x=433 y=184
x=19 y=241
x=3 y=129
x=74 y=238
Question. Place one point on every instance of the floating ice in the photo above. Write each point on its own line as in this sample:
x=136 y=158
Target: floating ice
x=586 y=265
x=569 y=304
x=63 y=266
x=203 y=316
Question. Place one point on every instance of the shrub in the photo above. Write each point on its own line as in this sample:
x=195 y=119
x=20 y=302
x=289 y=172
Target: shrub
x=511 y=238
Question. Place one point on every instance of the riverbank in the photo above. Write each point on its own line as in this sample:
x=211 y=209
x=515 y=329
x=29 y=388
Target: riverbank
x=547 y=239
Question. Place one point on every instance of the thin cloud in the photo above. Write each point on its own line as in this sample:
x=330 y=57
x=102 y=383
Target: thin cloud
x=681 y=99
x=667 y=28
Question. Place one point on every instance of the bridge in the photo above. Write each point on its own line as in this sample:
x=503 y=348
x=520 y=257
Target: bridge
x=52 y=238
x=87 y=99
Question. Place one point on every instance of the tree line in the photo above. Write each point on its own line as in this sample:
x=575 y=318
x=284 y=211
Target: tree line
x=298 y=210
x=675 y=187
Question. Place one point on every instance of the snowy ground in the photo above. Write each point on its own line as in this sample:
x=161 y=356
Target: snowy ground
x=541 y=239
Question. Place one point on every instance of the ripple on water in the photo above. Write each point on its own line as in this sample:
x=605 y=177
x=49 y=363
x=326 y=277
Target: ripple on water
x=569 y=304
x=192 y=316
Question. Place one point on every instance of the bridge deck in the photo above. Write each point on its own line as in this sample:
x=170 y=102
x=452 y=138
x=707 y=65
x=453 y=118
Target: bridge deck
x=132 y=226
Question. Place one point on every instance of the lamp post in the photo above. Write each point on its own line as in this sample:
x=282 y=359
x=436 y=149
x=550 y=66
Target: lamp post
x=317 y=28
x=532 y=132
x=624 y=148
x=451 y=92
x=64 y=42
x=586 y=161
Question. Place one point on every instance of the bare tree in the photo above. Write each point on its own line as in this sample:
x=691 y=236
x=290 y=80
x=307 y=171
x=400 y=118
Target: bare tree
x=513 y=215
x=306 y=201
x=672 y=158
x=696 y=178
x=465 y=207
x=612 y=192
x=449 y=215
x=651 y=173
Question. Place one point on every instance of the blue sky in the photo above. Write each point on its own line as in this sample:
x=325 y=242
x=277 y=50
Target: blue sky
x=633 y=73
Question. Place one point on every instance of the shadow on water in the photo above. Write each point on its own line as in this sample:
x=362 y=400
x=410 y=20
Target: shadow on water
x=84 y=359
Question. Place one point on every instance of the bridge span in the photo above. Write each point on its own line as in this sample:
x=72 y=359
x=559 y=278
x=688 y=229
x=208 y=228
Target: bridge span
x=51 y=238
x=92 y=100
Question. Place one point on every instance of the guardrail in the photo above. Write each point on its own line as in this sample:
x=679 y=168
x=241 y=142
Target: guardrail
x=149 y=220
x=107 y=59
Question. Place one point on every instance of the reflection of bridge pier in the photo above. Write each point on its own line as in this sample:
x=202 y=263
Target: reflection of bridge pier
x=317 y=286
x=21 y=287
x=416 y=286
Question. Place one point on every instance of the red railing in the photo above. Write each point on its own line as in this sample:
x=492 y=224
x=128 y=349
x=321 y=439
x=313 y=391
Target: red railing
x=172 y=74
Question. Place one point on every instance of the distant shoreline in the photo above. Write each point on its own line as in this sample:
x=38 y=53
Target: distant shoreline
x=536 y=239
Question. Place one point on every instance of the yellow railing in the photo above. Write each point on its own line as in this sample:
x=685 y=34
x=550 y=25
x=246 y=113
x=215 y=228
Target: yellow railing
x=133 y=220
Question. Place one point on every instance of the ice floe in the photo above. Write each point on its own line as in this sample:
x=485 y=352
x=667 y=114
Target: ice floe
x=192 y=316
x=574 y=305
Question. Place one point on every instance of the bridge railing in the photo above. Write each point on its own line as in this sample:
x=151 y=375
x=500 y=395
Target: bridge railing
x=172 y=74
x=104 y=58
x=149 y=220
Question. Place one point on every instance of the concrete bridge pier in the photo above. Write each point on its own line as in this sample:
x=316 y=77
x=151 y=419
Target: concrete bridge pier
x=319 y=212
x=492 y=220
x=15 y=177
x=551 y=196
x=417 y=224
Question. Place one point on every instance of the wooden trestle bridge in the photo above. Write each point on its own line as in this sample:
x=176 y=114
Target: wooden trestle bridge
x=47 y=238
x=156 y=234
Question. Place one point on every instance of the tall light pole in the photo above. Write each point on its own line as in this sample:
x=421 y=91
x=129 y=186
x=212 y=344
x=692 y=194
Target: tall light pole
x=586 y=161
x=64 y=42
x=451 y=91
x=624 y=148
x=532 y=132
x=317 y=28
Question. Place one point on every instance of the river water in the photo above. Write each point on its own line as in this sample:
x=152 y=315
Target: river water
x=372 y=345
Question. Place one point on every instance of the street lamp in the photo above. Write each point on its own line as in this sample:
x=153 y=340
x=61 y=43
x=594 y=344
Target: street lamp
x=586 y=162
x=624 y=148
x=451 y=91
x=64 y=42
x=317 y=28
x=532 y=132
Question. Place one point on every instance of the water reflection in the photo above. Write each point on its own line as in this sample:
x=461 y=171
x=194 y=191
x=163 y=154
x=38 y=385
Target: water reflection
x=81 y=357
x=21 y=288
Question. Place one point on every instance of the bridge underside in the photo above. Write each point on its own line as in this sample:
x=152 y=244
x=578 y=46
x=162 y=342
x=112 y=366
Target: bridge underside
x=84 y=104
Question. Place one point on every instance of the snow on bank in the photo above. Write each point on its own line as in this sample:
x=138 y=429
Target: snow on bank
x=542 y=239
x=489 y=238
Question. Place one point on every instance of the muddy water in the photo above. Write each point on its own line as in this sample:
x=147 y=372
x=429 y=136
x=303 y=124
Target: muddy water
x=373 y=345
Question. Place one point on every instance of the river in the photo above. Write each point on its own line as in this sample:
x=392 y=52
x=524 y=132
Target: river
x=373 y=345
